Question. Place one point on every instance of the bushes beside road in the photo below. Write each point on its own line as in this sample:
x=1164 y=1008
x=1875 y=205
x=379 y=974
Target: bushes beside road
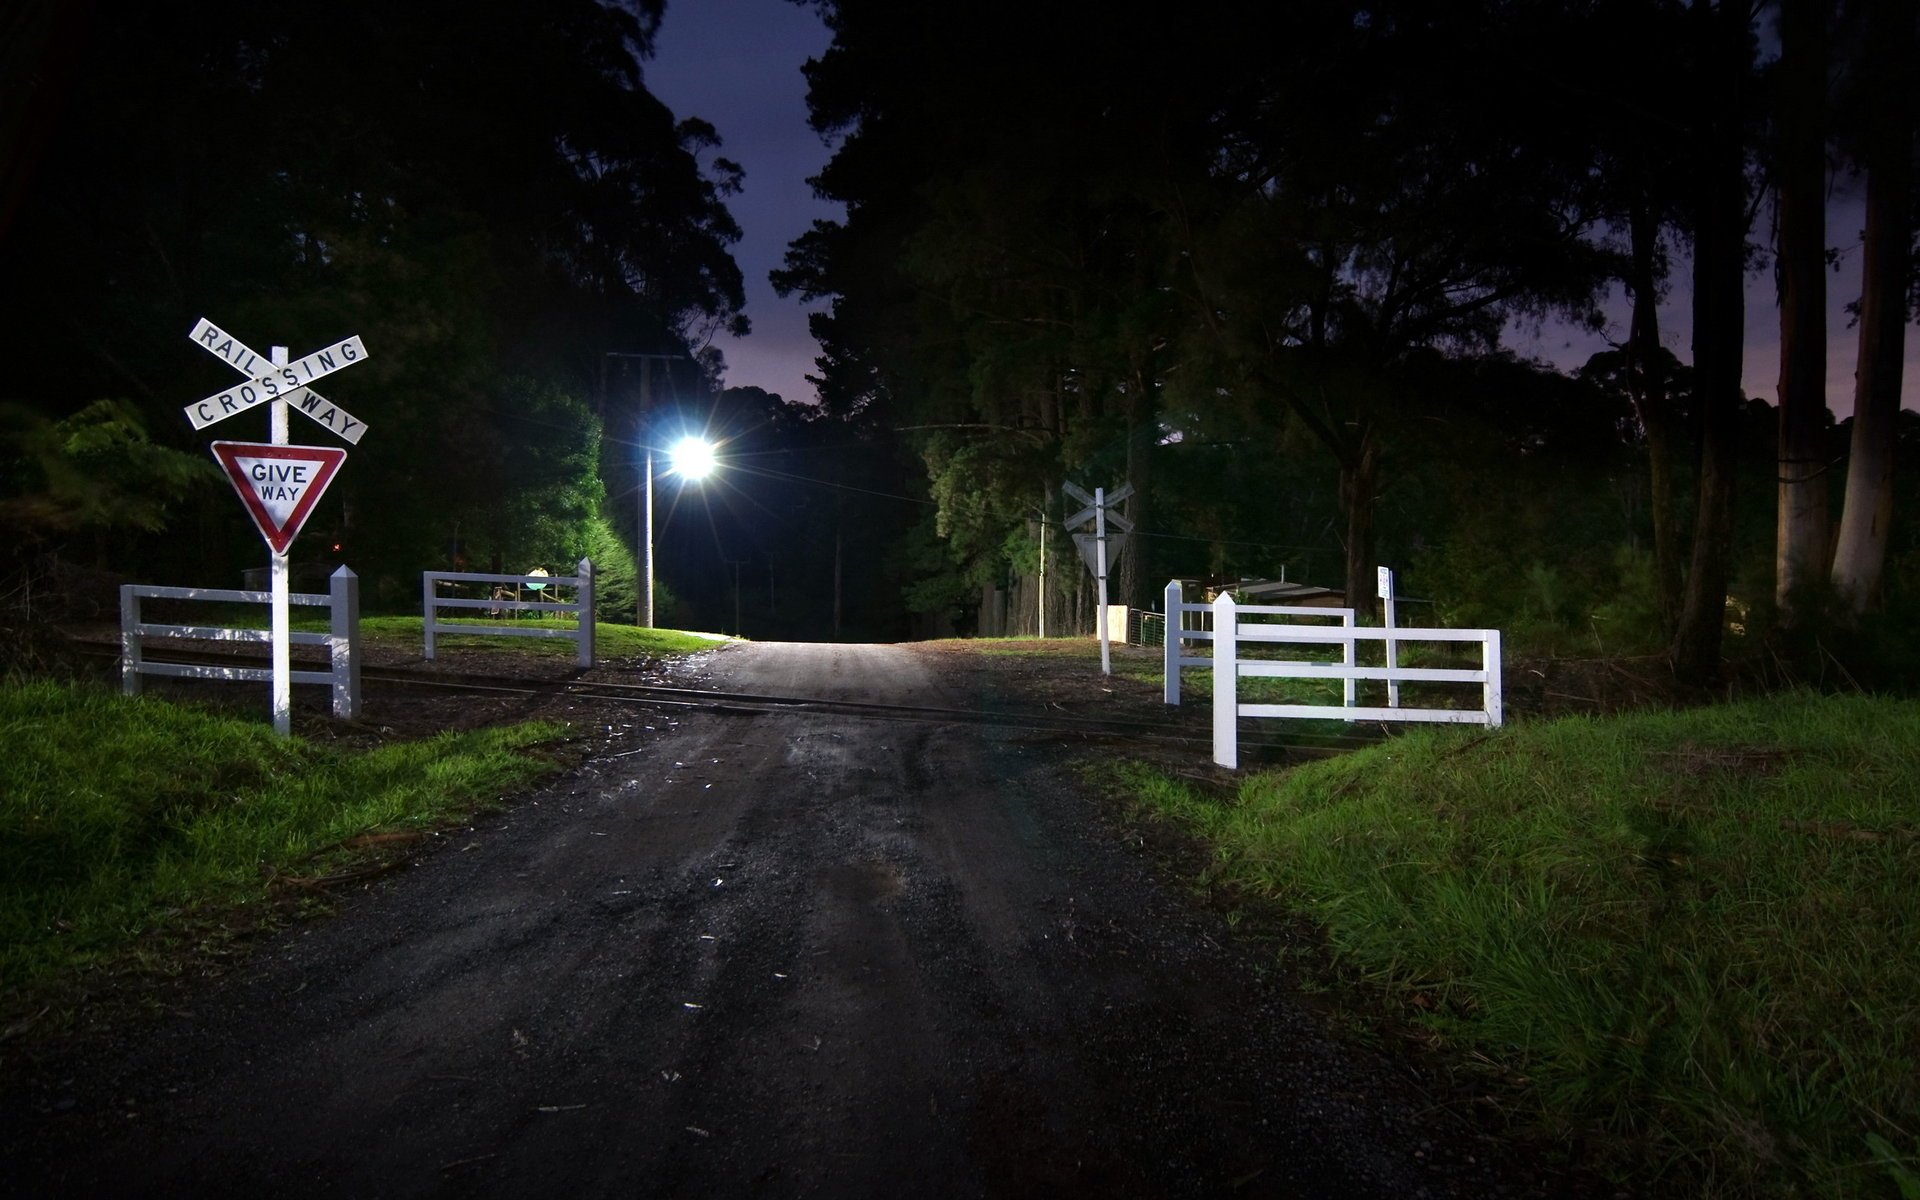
x=1695 y=932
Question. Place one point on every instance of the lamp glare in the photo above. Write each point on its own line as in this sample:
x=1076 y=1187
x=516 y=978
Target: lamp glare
x=693 y=457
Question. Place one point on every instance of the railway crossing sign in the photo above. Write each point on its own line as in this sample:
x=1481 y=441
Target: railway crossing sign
x=278 y=484
x=1093 y=546
x=1089 y=540
x=267 y=381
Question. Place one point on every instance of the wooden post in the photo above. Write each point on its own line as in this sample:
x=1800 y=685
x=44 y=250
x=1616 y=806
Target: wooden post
x=129 y=640
x=1100 y=570
x=343 y=650
x=1226 y=683
x=282 y=619
x=427 y=593
x=584 y=596
x=1171 y=644
x=1490 y=696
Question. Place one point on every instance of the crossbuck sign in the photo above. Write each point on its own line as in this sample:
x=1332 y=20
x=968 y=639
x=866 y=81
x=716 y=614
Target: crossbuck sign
x=266 y=382
x=279 y=483
x=1093 y=546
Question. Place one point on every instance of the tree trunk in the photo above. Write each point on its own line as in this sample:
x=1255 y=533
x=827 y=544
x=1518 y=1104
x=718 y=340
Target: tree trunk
x=1860 y=553
x=1359 y=477
x=1137 y=589
x=1647 y=385
x=1719 y=320
x=1800 y=545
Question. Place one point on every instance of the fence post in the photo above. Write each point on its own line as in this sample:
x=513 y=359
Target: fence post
x=1170 y=642
x=129 y=640
x=1347 y=659
x=1490 y=691
x=583 y=596
x=1226 y=683
x=343 y=648
x=426 y=609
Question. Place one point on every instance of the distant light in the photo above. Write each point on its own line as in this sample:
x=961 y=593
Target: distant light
x=693 y=457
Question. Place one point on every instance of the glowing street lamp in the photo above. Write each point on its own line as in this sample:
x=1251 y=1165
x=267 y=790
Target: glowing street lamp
x=692 y=458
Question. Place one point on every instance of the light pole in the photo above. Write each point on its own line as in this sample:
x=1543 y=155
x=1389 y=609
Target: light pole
x=692 y=458
x=643 y=603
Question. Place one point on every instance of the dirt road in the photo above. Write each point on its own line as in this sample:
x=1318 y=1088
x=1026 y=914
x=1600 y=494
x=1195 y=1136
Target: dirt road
x=778 y=954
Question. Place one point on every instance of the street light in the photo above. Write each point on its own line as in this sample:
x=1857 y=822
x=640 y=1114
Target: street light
x=692 y=458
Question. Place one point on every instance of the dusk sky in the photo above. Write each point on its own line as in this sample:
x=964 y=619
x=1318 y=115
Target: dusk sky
x=737 y=64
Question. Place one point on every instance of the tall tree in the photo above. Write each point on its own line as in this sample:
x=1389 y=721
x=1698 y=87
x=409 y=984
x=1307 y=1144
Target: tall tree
x=1723 y=44
x=1800 y=166
x=1383 y=202
x=1886 y=151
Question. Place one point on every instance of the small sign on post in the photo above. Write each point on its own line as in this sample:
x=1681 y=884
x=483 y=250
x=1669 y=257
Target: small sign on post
x=1393 y=654
x=278 y=484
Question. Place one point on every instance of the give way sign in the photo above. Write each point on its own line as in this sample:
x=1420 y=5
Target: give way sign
x=278 y=484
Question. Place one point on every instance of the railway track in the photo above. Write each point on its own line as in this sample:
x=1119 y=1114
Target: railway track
x=665 y=698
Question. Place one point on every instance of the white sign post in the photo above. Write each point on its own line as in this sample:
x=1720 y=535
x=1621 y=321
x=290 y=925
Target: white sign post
x=1093 y=548
x=1386 y=597
x=278 y=483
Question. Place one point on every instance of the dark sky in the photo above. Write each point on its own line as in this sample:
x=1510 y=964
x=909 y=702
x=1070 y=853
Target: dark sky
x=737 y=64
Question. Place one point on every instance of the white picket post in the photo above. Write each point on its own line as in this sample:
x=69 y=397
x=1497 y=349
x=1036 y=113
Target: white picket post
x=1347 y=696
x=1171 y=645
x=1490 y=697
x=129 y=640
x=343 y=652
x=1393 y=651
x=427 y=591
x=1226 y=683
x=584 y=594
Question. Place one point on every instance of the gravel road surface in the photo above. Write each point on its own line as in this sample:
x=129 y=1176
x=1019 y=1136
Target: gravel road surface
x=781 y=954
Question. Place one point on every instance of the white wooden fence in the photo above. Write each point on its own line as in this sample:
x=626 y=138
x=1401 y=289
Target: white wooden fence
x=581 y=606
x=342 y=600
x=1184 y=621
x=1229 y=669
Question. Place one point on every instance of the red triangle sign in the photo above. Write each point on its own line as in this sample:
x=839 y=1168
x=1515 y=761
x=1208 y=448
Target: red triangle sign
x=279 y=484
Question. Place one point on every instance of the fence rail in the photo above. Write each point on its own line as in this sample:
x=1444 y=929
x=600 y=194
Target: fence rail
x=581 y=606
x=1229 y=633
x=1179 y=632
x=342 y=600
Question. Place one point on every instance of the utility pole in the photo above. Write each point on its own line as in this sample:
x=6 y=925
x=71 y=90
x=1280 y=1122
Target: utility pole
x=1043 y=573
x=643 y=605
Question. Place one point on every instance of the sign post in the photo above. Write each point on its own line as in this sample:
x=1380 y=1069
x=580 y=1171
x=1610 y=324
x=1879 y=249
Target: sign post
x=1386 y=597
x=1093 y=548
x=278 y=483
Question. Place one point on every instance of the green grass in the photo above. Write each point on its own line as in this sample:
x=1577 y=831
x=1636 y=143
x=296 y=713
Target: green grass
x=125 y=821
x=1696 y=932
x=609 y=640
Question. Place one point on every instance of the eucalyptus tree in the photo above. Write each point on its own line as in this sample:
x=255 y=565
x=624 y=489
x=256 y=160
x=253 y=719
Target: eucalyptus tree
x=1721 y=42
x=1378 y=192
x=1878 y=126
x=1800 y=170
x=999 y=282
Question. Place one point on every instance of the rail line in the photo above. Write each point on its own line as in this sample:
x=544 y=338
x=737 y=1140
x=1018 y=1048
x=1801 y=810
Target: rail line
x=661 y=697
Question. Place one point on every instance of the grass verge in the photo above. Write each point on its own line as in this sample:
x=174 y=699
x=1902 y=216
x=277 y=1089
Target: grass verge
x=609 y=640
x=1692 y=933
x=123 y=823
